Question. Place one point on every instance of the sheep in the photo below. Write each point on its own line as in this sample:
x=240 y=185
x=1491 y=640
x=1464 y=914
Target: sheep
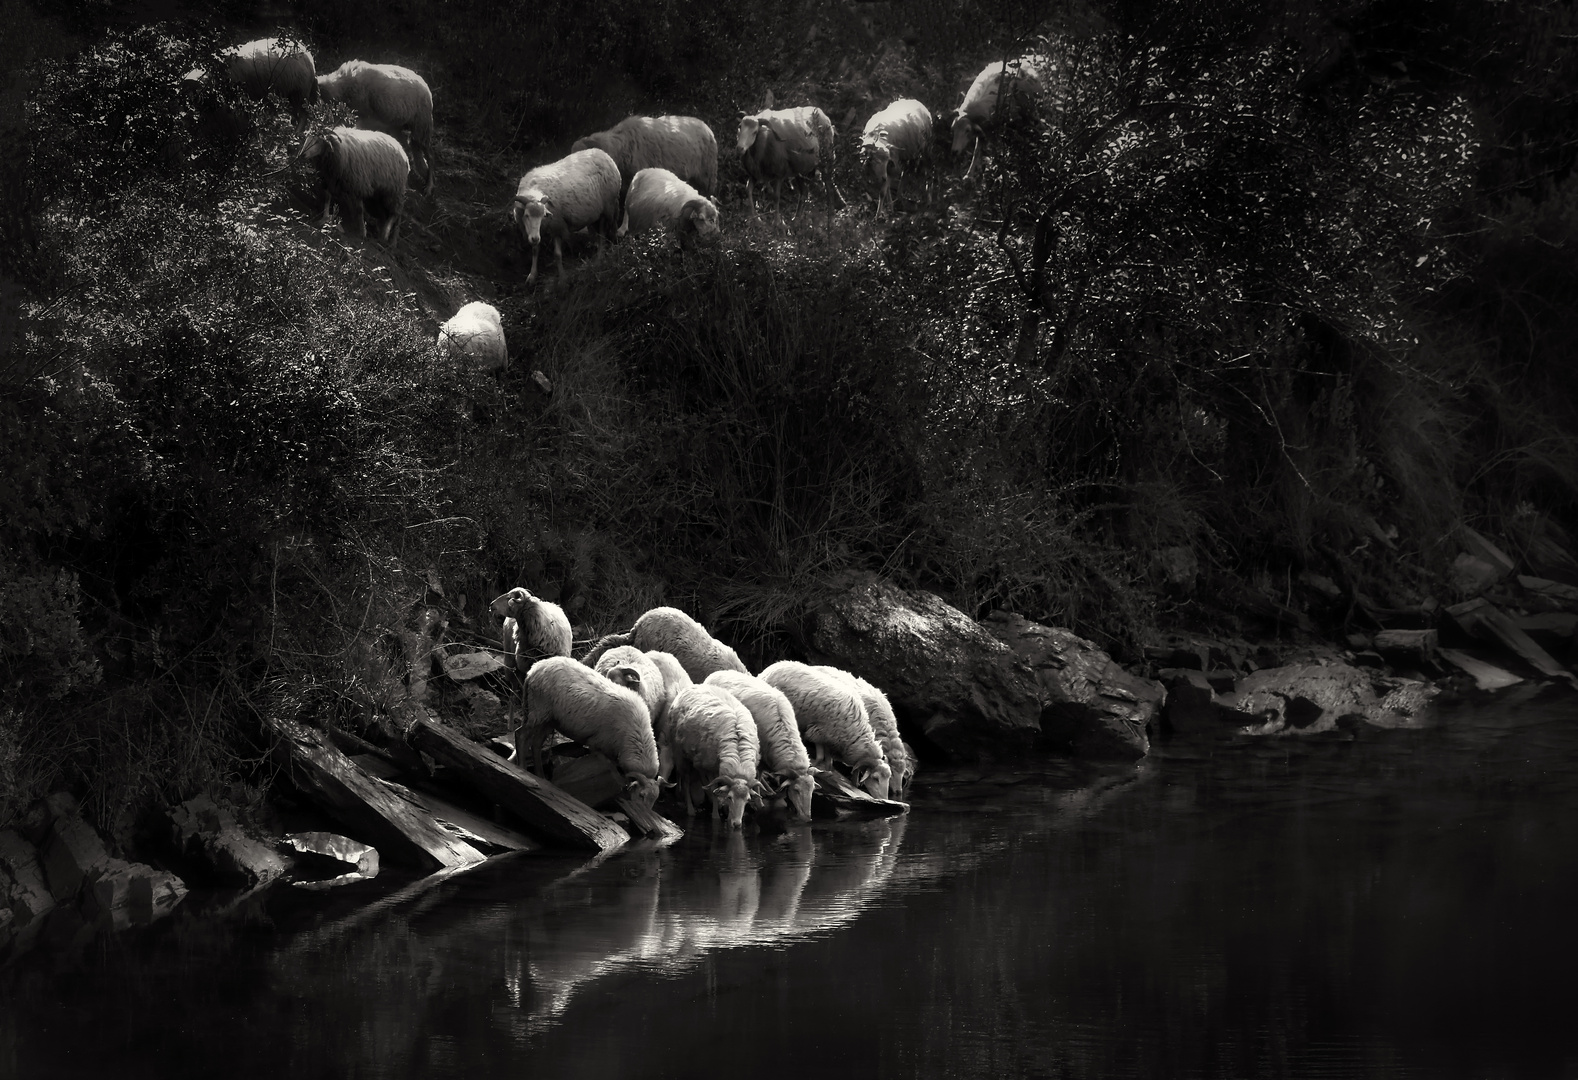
x=636 y=670
x=894 y=139
x=389 y=98
x=831 y=715
x=576 y=701
x=555 y=200
x=886 y=728
x=658 y=198
x=978 y=110
x=683 y=145
x=477 y=333
x=362 y=171
x=670 y=630
x=783 y=751
x=541 y=627
x=715 y=741
x=781 y=144
x=278 y=64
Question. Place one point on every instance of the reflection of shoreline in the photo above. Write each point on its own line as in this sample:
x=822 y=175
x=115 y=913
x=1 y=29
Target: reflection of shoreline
x=738 y=894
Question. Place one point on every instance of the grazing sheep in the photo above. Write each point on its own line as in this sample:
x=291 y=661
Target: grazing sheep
x=783 y=751
x=636 y=670
x=390 y=98
x=781 y=144
x=477 y=333
x=715 y=743
x=541 y=627
x=832 y=716
x=885 y=726
x=363 y=172
x=683 y=145
x=276 y=64
x=896 y=139
x=555 y=200
x=580 y=704
x=658 y=198
x=670 y=630
x=978 y=111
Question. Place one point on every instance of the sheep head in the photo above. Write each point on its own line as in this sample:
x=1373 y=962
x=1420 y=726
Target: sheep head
x=963 y=132
x=316 y=146
x=510 y=605
x=733 y=794
x=530 y=211
x=750 y=127
x=874 y=778
x=642 y=790
x=698 y=216
x=799 y=791
x=625 y=676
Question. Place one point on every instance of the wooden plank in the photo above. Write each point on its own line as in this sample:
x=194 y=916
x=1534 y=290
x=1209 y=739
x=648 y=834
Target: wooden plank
x=1485 y=620
x=1417 y=645
x=1486 y=676
x=552 y=815
x=833 y=787
x=649 y=823
x=364 y=804
x=590 y=777
x=1553 y=590
x=487 y=834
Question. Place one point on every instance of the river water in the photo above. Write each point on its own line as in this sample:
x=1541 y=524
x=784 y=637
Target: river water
x=1369 y=904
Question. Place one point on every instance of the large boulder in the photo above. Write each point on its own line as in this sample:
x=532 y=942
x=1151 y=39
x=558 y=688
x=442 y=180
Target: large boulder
x=1309 y=699
x=206 y=832
x=947 y=678
x=1090 y=705
x=23 y=893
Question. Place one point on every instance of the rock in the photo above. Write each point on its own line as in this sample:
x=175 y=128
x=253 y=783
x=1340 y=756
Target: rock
x=462 y=667
x=1554 y=594
x=419 y=639
x=1471 y=575
x=345 y=854
x=1481 y=548
x=72 y=854
x=36 y=821
x=123 y=894
x=1310 y=699
x=1090 y=704
x=1416 y=647
x=1191 y=700
x=541 y=381
x=23 y=891
x=944 y=674
x=486 y=708
x=1177 y=568
x=208 y=833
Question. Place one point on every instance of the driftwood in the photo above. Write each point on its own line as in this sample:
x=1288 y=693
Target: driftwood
x=1414 y=646
x=1486 y=676
x=1486 y=621
x=591 y=777
x=551 y=814
x=649 y=823
x=364 y=804
x=833 y=788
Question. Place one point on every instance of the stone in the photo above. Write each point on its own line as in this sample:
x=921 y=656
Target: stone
x=154 y=894
x=1191 y=702
x=1310 y=698
x=72 y=854
x=1409 y=646
x=206 y=832
x=1177 y=568
x=1090 y=704
x=944 y=674
x=355 y=856
x=1481 y=548
x=23 y=890
x=462 y=667
x=1471 y=575
x=485 y=706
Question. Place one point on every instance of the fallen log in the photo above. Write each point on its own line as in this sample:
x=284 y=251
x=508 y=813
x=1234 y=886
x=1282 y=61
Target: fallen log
x=832 y=787
x=591 y=777
x=1414 y=646
x=1485 y=676
x=553 y=815
x=648 y=822
x=363 y=804
x=1486 y=621
x=481 y=832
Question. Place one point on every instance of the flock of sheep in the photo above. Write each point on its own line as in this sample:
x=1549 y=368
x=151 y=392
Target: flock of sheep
x=671 y=705
x=643 y=174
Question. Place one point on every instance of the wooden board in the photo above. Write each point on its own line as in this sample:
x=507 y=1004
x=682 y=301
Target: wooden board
x=1486 y=676
x=1486 y=621
x=591 y=777
x=833 y=787
x=551 y=815
x=488 y=834
x=365 y=805
x=649 y=823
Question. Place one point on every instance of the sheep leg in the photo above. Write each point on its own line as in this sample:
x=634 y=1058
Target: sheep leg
x=974 y=153
x=532 y=277
x=558 y=255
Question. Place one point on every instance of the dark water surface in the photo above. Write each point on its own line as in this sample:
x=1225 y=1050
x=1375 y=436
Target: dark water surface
x=1400 y=904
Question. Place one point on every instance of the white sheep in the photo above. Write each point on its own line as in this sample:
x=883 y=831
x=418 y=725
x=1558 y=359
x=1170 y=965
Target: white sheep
x=476 y=332
x=273 y=64
x=552 y=201
x=715 y=743
x=635 y=670
x=670 y=630
x=886 y=728
x=894 y=141
x=976 y=113
x=571 y=698
x=390 y=98
x=362 y=172
x=832 y=716
x=540 y=628
x=781 y=144
x=783 y=751
x=659 y=199
x=683 y=145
